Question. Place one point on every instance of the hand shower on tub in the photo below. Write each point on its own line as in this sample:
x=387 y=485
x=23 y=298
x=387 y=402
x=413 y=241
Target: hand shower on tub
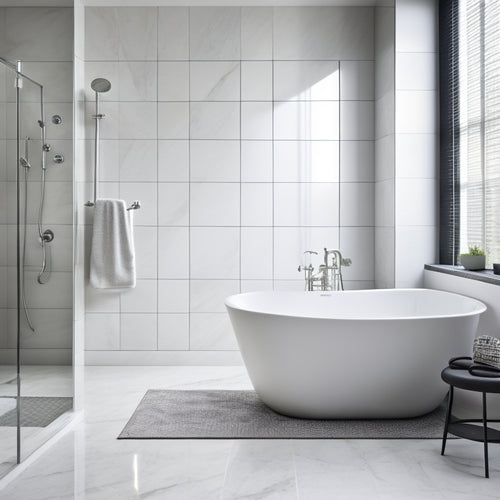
x=329 y=275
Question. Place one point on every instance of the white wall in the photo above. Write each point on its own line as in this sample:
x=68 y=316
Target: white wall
x=468 y=402
x=384 y=147
x=248 y=135
x=416 y=155
x=42 y=38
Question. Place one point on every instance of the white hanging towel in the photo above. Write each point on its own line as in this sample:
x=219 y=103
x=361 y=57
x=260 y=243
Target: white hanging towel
x=112 y=258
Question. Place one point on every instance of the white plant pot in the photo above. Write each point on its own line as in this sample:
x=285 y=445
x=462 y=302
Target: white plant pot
x=473 y=262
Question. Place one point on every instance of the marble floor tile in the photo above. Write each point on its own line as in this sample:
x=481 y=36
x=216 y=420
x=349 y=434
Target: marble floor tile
x=88 y=462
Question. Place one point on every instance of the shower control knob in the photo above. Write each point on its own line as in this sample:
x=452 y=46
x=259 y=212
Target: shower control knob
x=56 y=119
x=48 y=235
x=58 y=158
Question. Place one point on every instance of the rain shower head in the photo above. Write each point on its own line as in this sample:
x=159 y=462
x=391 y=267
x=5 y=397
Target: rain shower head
x=100 y=85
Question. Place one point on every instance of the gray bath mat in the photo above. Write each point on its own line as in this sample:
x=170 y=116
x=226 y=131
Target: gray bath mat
x=37 y=411
x=241 y=415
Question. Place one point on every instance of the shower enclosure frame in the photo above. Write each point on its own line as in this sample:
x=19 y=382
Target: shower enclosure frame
x=19 y=78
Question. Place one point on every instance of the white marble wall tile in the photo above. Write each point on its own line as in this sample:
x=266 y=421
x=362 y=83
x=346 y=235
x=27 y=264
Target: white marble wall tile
x=416 y=202
x=357 y=243
x=138 y=81
x=307 y=120
x=54 y=330
x=214 y=81
x=138 y=33
x=357 y=162
x=256 y=161
x=257 y=204
x=256 y=81
x=290 y=243
x=214 y=204
x=215 y=161
x=102 y=332
x=138 y=332
x=214 y=252
x=416 y=71
x=56 y=78
x=306 y=80
x=306 y=161
x=101 y=34
x=357 y=121
x=416 y=111
x=385 y=158
x=173 y=252
x=137 y=160
x=146 y=193
x=214 y=33
x=146 y=252
x=384 y=257
x=173 y=120
x=137 y=120
x=417 y=155
x=385 y=115
x=142 y=298
x=384 y=203
x=357 y=80
x=214 y=120
x=101 y=301
x=173 y=332
x=323 y=33
x=415 y=245
x=256 y=120
x=173 y=33
x=256 y=285
x=173 y=296
x=256 y=253
x=209 y=295
x=306 y=204
x=289 y=285
x=173 y=161
x=416 y=26
x=211 y=332
x=357 y=200
x=20 y=25
x=256 y=33
x=384 y=51
x=173 y=81
x=173 y=204
x=58 y=202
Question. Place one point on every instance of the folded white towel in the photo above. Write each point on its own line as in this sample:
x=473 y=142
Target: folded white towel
x=112 y=258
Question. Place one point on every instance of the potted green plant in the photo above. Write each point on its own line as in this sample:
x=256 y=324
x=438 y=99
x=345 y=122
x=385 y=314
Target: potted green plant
x=474 y=260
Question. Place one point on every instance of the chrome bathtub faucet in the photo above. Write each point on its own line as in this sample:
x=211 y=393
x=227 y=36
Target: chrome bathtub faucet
x=329 y=275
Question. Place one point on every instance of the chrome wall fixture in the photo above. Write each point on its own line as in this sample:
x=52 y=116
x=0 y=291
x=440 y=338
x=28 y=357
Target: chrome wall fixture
x=99 y=86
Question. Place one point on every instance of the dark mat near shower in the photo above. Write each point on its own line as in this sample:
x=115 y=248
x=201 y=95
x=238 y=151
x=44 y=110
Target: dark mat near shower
x=166 y=414
x=37 y=411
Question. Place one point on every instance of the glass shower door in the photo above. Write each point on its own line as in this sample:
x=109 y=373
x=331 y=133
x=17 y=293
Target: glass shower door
x=9 y=360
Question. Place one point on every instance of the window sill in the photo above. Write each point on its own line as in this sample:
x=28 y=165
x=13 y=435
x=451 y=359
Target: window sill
x=485 y=276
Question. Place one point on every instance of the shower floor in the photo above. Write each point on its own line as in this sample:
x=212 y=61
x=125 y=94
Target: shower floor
x=46 y=393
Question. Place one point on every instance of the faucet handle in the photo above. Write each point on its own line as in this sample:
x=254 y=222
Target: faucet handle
x=311 y=252
x=346 y=262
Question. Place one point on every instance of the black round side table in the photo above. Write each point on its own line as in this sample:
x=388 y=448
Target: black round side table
x=463 y=379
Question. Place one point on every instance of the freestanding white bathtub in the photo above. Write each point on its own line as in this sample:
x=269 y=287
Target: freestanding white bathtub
x=353 y=354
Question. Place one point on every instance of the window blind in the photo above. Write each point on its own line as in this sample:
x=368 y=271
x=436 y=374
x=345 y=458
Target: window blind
x=470 y=128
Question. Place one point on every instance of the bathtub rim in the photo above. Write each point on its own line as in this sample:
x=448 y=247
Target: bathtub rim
x=229 y=303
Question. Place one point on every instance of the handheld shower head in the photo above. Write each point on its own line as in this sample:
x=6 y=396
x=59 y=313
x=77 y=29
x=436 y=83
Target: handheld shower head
x=24 y=162
x=100 y=85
